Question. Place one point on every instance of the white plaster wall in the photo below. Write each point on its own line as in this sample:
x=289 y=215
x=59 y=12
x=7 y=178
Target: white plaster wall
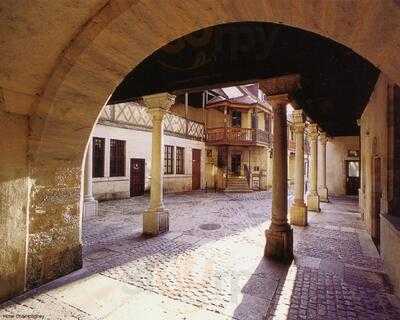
x=336 y=156
x=138 y=145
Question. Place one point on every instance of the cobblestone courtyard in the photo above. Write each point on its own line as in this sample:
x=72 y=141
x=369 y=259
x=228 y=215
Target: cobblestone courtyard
x=211 y=266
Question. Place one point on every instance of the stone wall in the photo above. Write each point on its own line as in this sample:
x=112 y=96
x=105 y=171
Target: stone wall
x=13 y=203
x=374 y=144
x=336 y=156
x=377 y=142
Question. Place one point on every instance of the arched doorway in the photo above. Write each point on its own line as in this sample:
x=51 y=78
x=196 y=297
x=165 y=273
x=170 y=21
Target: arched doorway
x=84 y=74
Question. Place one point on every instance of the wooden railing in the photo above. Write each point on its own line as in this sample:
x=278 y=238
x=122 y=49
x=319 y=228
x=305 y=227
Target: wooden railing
x=238 y=136
x=133 y=115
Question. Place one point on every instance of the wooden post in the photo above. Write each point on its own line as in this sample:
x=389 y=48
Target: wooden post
x=186 y=112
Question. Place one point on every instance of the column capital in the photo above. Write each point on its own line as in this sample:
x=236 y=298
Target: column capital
x=312 y=130
x=279 y=101
x=322 y=137
x=158 y=104
x=298 y=116
x=298 y=127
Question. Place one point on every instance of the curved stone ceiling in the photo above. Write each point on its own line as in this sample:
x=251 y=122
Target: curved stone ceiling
x=336 y=82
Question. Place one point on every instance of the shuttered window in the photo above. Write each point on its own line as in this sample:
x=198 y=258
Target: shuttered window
x=98 y=157
x=180 y=160
x=168 y=159
x=117 y=158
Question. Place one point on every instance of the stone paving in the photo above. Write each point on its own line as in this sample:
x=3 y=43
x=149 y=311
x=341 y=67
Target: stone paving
x=211 y=266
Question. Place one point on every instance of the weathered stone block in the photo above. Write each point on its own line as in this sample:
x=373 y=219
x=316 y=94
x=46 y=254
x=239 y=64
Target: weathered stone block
x=279 y=245
x=52 y=264
x=298 y=214
x=323 y=194
x=155 y=222
x=313 y=203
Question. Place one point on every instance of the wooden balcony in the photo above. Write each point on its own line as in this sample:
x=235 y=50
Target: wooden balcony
x=238 y=136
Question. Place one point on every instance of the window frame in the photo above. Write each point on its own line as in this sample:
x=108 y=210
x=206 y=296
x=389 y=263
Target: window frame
x=168 y=159
x=180 y=160
x=98 y=157
x=117 y=160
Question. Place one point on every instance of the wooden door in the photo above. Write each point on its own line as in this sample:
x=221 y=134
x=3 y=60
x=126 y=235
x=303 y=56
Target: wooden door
x=137 y=177
x=236 y=164
x=376 y=198
x=352 y=177
x=196 y=174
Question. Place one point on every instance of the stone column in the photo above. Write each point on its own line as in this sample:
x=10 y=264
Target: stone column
x=298 y=210
x=90 y=205
x=322 y=189
x=279 y=236
x=156 y=217
x=313 y=197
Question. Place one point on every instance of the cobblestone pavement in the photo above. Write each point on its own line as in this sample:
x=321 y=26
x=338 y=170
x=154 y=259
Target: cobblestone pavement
x=211 y=266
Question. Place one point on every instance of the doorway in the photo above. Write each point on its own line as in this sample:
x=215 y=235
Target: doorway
x=196 y=174
x=376 y=201
x=137 y=177
x=236 y=164
x=352 y=177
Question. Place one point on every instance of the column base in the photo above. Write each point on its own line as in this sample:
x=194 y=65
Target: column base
x=298 y=214
x=279 y=244
x=155 y=221
x=323 y=194
x=313 y=203
x=90 y=207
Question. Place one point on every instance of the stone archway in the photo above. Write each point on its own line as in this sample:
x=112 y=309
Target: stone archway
x=116 y=39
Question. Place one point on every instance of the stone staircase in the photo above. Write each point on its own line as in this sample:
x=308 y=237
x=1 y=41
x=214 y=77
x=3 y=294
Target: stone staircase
x=237 y=184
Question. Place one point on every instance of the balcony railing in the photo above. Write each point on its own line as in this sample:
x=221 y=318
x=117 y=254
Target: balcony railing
x=134 y=115
x=238 y=136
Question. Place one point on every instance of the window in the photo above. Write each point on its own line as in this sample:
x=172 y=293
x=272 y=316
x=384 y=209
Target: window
x=354 y=169
x=168 y=159
x=117 y=158
x=180 y=160
x=98 y=157
x=236 y=119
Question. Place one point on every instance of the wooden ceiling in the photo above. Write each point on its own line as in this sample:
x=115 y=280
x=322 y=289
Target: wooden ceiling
x=336 y=83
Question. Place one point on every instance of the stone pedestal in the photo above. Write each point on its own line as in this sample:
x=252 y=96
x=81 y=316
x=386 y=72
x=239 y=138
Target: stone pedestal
x=90 y=205
x=90 y=208
x=279 y=236
x=313 y=202
x=156 y=217
x=323 y=194
x=279 y=244
x=298 y=214
x=155 y=221
x=312 y=196
x=298 y=210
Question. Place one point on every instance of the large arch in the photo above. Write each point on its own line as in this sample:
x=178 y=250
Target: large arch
x=97 y=57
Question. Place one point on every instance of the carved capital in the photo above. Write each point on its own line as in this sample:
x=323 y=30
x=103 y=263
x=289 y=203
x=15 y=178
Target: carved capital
x=298 y=127
x=159 y=104
x=298 y=116
x=312 y=131
x=279 y=101
x=322 y=138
